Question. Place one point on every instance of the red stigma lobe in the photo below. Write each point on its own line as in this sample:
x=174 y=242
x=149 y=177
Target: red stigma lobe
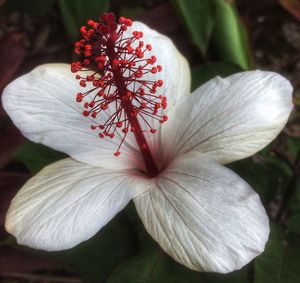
x=118 y=84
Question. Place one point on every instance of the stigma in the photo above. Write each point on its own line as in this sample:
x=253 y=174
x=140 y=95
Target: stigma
x=123 y=81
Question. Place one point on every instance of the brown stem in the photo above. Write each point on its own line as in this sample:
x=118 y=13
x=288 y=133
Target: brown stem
x=150 y=164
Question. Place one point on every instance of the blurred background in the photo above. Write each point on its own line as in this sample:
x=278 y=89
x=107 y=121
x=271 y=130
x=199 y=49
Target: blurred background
x=218 y=37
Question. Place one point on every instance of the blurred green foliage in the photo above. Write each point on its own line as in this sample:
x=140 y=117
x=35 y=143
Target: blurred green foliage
x=97 y=258
x=216 y=21
x=198 y=17
x=115 y=255
x=76 y=12
x=205 y=72
x=36 y=156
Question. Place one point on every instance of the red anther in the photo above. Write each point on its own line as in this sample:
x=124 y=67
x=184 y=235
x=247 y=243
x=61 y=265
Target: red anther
x=103 y=17
x=87 y=53
x=100 y=66
x=142 y=92
x=163 y=119
x=85 y=113
x=104 y=106
x=154 y=70
x=129 y=49
x=90 y=22
x=128 y=22
x=123 y=79
x=119 y=124
x=160 y=83
x=110 y=17
x=112 y=26
x=140 y=55
x=78 y=44
x=83 y=30
x=79 y=97
x=141 y=44
x=82 y=83
x=103 y=29
x=137 y=34
x=122 y=20
x=117 y=153
x=133 y=113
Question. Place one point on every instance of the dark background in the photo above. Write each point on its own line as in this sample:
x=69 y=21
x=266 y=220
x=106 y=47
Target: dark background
x=33 y=32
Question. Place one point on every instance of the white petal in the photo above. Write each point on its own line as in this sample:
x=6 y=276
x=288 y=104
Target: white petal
x=230 y=119
x=175 y=75
x=42 y=105
x=68 y=202
x=204 y=215
x=176 y=72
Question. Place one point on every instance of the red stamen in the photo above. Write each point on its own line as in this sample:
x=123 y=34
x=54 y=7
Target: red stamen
x=118 y=83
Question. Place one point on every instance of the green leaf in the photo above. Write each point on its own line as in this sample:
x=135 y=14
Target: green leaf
x=37 y=156
x=280 y=261
x=268 y=266
x=204 y=73
x=197 y=16
x=293 y=145
x=294 y=223
x=75 y=13
x=294 y=203
x=154 y=266
x=266 y=175
x=229 y=37
x=96 y=258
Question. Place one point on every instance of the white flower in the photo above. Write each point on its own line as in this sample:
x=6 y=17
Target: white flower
x=201 y=213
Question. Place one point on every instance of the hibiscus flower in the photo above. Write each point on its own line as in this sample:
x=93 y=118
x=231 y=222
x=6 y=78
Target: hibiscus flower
x=144 y=137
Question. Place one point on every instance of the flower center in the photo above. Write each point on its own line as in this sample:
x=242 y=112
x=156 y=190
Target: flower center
x=120 y=82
